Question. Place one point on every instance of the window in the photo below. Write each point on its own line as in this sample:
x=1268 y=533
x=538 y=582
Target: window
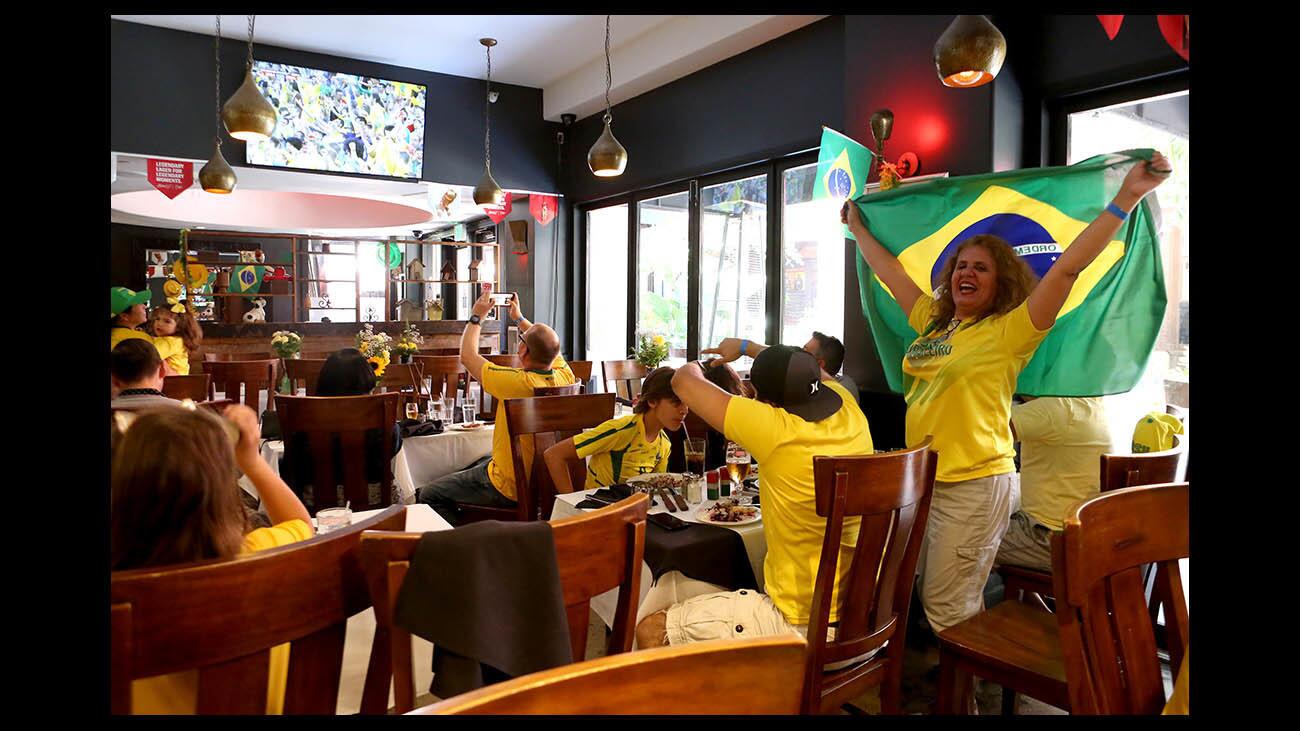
x=331 y=281
x=1159 y=123
x=812 y=260
x=663 y=253
x=607 y=283
x=733 y=255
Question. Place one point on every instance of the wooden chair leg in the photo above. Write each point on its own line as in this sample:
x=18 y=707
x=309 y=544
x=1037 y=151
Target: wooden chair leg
x=1008 y=701
x=954 y=686
x=891 y=688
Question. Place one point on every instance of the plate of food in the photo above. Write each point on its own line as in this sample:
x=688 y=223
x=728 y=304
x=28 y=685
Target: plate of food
x=656 y=480
x=729 y=512
x=469 y=425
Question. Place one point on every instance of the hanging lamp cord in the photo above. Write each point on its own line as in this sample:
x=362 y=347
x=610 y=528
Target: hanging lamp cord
x=609 y=77
x=487 y=117
x=249 y=63
x=216 y=57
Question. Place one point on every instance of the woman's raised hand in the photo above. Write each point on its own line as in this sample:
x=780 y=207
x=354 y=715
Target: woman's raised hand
x=1144 y=177
x=854 y=219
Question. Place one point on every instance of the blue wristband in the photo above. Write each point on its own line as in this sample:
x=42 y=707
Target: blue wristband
x=1116 y=210
x=744 y=345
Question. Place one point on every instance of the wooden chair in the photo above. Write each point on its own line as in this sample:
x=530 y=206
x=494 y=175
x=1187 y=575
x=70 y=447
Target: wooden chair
x=223 y=616
x=891 y=493
x=217 y=406
x=187 y=387
x=443 y=372
x=1107 y=639
x=629 y=373
x=254 y=376
x=325 y=419
x=595 y=552
x=306 y=370
x=581 y=371
x=405 y=379
x=544 y=421
x=728 y=677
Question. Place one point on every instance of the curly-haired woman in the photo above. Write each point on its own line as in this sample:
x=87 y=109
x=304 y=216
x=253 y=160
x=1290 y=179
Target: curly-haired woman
x=981 y=327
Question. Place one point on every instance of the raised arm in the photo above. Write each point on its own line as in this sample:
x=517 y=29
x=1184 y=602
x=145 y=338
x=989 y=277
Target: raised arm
x=469 y=356
x=732 y=348
x=557 y=463
x=704 y=398
x=884 y=264
x=280 y=502
x=517 y=315
x=1049 y=295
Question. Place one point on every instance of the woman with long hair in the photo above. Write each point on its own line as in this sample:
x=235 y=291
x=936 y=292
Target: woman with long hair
x=978 y=331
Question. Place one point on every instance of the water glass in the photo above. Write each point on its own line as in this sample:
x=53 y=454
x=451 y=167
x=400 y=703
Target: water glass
x=332 y=519
x=468 y=412
x=449 y=408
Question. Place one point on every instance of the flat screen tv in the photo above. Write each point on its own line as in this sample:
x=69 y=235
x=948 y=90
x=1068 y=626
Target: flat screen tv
x=341 y=123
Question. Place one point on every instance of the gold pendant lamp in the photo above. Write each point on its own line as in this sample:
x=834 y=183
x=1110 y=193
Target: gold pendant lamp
x=487 y=192
x=607 y=158
x=247 y=114
x=970 y=52
x=217 y=175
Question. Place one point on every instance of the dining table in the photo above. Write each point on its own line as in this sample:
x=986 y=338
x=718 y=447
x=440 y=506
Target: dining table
x=672 y=586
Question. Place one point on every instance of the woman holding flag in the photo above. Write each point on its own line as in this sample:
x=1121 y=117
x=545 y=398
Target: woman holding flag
x=980 y=329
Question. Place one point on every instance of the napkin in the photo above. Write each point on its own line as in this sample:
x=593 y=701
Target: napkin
x=414 y=428
x=613 y=494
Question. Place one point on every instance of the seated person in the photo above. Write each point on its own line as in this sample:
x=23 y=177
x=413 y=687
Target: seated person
x=490 y=481
x=136 y=374
x=1061 y=443
x=798 y=413
x=724 y=377
x=829 y=352
x=345 y=372
x=128 y=312
x=175 y=500
x=626 y=445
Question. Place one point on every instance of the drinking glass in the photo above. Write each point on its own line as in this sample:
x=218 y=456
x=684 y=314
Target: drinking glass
x=737 y=466
x=413 y=410
x=332 y=519
x=468 y=412
x=695 y=449
x=449 y=409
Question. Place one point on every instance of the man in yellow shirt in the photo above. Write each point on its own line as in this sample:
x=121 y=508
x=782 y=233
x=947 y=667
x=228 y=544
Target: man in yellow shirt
x=491 y=481
x=1061 y=443
x=799 y=412
x=127 y=311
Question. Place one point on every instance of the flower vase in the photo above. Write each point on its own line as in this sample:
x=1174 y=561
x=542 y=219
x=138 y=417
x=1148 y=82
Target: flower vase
x=404 y=358
x=286 y=386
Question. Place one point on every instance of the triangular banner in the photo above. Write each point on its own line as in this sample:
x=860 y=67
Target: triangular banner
x=543 y=208
x=1111 y=24
x=499 y=213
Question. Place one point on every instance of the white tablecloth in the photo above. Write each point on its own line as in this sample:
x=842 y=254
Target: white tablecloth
x=672 y=586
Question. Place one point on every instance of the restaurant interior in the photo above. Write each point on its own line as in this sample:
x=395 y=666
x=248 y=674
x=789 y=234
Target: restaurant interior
x=455 y=265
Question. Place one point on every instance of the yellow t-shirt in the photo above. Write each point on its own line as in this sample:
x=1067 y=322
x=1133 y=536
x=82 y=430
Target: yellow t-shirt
x=1180 y=698
x=785 y=444
x=504 y=382
x=1061 y=443
x=958 y=386
x=118 y=334
x=619 y=449
x=178 y=693
x=172 y=350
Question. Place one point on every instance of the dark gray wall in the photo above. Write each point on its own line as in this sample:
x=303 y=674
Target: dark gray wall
x=161 y=93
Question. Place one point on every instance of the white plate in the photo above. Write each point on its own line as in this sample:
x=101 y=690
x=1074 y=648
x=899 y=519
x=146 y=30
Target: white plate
x=462 y=427
x=637 y=479
x=702 y=515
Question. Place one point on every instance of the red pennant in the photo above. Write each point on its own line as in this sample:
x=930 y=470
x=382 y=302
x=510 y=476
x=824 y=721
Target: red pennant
x=1174 y=29
x=1111 y=24
x=499 y=213
x=543 y=208
x=170 y=177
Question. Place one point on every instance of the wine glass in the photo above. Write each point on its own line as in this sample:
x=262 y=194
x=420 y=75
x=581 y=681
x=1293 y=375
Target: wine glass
x=737 y=466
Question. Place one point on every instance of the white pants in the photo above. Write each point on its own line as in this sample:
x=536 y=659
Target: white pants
x=967 y=522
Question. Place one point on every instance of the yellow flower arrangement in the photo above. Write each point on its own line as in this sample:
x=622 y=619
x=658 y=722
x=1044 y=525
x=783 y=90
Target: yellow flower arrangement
x=379 y=363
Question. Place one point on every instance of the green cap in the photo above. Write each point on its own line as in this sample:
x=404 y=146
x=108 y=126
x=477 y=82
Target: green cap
x=124 y=299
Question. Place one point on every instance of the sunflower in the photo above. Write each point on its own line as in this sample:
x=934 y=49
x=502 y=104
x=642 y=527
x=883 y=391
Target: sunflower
x=379 y=364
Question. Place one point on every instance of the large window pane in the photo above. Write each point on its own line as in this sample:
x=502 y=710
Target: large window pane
x=607 y=283
x=812 y=260
x=661 y=270
x=733 y=247
x=373 y=273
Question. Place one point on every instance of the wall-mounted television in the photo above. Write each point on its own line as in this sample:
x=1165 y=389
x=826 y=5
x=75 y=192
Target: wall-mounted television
x=340 y=122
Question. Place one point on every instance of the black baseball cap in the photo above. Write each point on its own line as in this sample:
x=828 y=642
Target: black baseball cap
x=790 y=378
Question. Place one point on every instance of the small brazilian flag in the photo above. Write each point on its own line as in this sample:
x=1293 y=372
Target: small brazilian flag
x=842 y=166
x=1107 y=327
x=246 y=279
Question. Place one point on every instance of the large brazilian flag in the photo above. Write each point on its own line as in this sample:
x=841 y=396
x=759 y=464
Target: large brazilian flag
x=1106 y=330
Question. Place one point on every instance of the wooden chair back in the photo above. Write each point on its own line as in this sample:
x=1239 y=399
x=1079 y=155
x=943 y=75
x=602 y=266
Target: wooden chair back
x=223 y=616
x=443 y=372
x=306 y=370
x=595 y=552
x=1119 y=471
x=627 y=373
x=254 y=376
x=727 y=677
x=325 y=419
x=544 y=421
x=1107 y=635
x=581 y=370
x=217 y=406
x=891 y=494
x=405 y=379
x=187 y=387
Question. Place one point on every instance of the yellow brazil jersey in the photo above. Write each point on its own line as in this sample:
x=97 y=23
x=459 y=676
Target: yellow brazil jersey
x=785 y=444
x=619 y=449
x=1061 y=443
x=958 y=385
x=118 y=334
x=172 y=349
x=504 y=382
x=178 y=693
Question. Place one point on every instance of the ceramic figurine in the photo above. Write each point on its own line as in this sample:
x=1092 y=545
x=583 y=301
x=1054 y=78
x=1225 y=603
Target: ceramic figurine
x=258 y=313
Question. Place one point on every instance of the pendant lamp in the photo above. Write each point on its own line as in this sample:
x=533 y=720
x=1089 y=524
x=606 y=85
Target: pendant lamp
x=247 y=114
x=970 y=52
x=487 y=192
x=607 y=158
x=217 y=176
